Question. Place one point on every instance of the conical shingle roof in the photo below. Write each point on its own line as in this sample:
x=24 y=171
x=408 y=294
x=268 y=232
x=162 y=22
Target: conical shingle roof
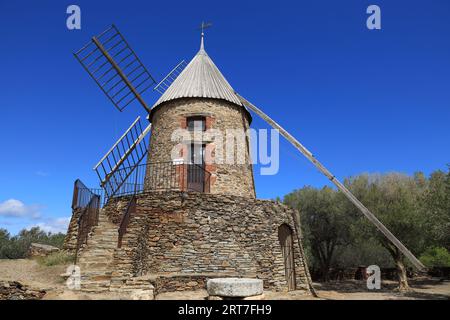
x=200 y=79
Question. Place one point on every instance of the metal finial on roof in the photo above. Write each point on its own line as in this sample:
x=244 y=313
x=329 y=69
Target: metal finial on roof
x=200 y=79
x=202 y=46
x=204 y=26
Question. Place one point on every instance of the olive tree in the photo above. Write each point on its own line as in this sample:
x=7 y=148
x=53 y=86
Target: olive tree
x=394 y=199
x=325 y=225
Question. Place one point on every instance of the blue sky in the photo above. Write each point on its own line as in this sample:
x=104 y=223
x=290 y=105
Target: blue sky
x=360 y=100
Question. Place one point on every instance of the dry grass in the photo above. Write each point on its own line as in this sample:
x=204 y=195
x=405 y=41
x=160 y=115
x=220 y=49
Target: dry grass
x=56 y=259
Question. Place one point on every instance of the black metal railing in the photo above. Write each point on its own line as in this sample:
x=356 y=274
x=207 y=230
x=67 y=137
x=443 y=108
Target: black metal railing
x=87 y=220
x=157 y=176
x=89 y=202
x=82 y=195
x=160 y=176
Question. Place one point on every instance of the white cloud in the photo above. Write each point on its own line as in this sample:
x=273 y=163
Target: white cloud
x=41 y=173
x=16 y=208
x=53 y=225
x=16 y=215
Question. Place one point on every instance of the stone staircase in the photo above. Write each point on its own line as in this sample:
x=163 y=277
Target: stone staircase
x=135 y=288
x=95 y=258
x=123 y=280
x=105 y=267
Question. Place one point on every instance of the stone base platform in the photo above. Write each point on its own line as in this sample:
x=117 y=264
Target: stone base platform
x=179 y=240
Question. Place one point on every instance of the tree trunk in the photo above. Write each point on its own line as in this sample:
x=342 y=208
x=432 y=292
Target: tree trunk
x=401 y=270
x=325 y=270
x=402 y=277
x=325 y=256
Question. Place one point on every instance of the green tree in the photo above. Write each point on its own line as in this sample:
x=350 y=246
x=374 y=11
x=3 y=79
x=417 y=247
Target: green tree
x=4 y=242
x=436 y=257
x=4 y=236
x=394 y=199
x=415 y=208
x=16 y=247
x=436 y=209
x=325 y=226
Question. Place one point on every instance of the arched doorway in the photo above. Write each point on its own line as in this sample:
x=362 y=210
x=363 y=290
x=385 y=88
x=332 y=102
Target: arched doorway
x=287 y=247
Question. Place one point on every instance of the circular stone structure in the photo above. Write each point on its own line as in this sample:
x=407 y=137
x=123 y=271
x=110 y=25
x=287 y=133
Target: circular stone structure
x=193 y=237
x=234 y=287
x=225 y=128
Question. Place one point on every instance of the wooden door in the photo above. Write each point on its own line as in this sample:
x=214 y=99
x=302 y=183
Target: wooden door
x=196 y=168
x=287 y=248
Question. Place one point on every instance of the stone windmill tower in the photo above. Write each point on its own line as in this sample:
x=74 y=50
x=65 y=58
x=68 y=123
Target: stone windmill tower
x=200 y=99
x=179 y=217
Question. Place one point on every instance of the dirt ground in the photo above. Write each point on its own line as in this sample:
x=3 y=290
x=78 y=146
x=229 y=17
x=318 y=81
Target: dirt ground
x=422 y=289
x=30 y=272
x=48 y=278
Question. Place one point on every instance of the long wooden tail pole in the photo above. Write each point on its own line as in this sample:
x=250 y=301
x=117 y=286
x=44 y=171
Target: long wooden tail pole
x=369 y=215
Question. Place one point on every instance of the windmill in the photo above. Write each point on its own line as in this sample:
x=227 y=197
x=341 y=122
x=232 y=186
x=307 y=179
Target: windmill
x=123 y=78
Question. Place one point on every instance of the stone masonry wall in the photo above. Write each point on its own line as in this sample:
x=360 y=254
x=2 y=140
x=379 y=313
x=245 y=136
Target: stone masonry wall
x=234 y=179
x=70 y=241
x=14 y=290
x=195 y=233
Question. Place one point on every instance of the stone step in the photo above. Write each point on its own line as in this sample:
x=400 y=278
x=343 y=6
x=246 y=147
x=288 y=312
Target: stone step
x=92 y=289
x=103 y=253
x=97 y=274
x=95 y=266
x=96 y=281
x=96 y=257
x=96 y=277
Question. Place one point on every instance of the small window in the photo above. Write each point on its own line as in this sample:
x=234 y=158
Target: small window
x=196 y=123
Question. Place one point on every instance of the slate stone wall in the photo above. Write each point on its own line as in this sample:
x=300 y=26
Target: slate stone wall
x=70 y=241
x=197 y=233
x=14 y=290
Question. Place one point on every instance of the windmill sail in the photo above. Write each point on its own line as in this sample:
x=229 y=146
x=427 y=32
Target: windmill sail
x=165 y=83
x=116 y=69
x=369 y=215
x=123 y=157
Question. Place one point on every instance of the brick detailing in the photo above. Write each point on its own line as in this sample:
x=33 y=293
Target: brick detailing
x=183 y=122
x=209 y=122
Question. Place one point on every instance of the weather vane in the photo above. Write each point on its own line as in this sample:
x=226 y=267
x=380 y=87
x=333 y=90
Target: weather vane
x=205 y=25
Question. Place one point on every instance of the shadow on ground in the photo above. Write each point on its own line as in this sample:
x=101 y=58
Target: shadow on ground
x=421 y=289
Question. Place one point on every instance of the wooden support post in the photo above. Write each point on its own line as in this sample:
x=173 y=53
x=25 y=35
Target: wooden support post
x=298 y=231
x=369 y=215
